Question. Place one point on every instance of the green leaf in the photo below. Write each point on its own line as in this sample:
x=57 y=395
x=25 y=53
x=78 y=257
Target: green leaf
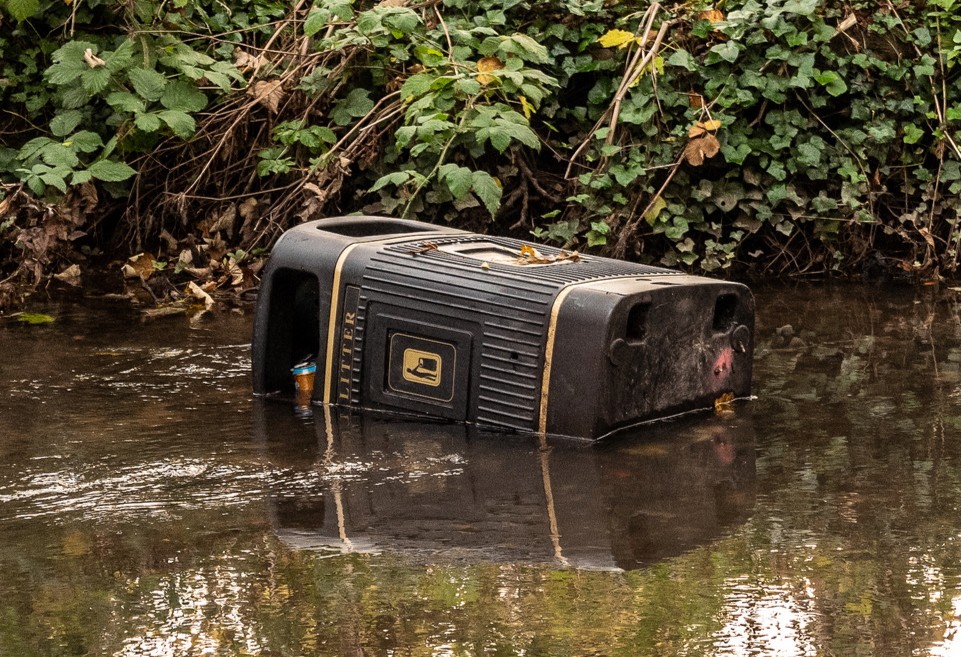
x=728 y=51
x=912 y=133
x=317 y=20
x=683 y=59
x=84 y=141
x=397 y=178
x=22 y=9
x=110 y=171
x=355 y=105
x=487 y=190
x=458 y=179
x=183 y=97
x=124 y=101
x=58 y=155
x=68 y=62
x=416 y=85
x=65 y=122
x=147 y=122
x=148 y=83
x=180 y=123
x=95 y=80
x=831 y=81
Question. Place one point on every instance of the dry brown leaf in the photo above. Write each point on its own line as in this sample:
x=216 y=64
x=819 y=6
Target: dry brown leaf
x=70 y=275
x=695 y=99
x=139 y=266
x=710 y=146
x=248 y=209
x=224 y=221
x=244 y=61
x=702 y=127
x=269 y=93
x=487 y=65
x=712 y=16
x=391 y=3
x=92 y=60
x=696 y=150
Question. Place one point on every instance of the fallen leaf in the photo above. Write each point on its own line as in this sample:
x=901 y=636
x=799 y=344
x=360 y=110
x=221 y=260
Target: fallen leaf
x=70 y=275
x=695 y=99
x=198 y=293
x=531 y=256
x=248 y=208
x=92 y=60
x=487 y=65
x=723 y=403
x=269 y=93
x=140 y=265
x=424 y=248
x=224 y=222
x=35 y=319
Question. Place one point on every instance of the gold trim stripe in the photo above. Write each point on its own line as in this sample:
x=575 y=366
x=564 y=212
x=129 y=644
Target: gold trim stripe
x=332 y=320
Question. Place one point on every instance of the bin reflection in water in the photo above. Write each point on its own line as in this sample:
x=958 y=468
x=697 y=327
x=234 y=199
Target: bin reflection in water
x=446 y=493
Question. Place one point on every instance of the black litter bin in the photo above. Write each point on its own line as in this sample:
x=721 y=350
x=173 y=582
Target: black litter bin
x=407 y=317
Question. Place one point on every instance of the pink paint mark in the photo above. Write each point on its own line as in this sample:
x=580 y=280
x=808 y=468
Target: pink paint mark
x=724 y=363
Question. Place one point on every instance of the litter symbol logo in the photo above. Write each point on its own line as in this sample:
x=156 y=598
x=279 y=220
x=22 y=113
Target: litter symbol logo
x=423 y=367
x=420 y=367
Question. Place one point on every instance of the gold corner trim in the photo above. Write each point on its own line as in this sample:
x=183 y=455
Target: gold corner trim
x=549 y=357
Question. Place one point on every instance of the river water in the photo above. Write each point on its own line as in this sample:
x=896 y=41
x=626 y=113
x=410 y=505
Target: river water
x=149 y=506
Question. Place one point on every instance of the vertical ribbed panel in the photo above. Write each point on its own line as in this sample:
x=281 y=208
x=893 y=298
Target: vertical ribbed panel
x=512 y=305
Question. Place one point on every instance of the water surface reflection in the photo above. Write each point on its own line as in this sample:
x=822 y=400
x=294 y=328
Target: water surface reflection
x=149 y=507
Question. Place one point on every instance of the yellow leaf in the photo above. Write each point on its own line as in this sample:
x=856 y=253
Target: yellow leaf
x=711 y=125
x=526 y=107
x=487 y=65
x=723 y=403
x=616 y=39
x=651 y=215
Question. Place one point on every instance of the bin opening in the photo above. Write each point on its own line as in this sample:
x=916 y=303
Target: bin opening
x=725 y=310
x=369 y=227
x=294 y=336
x=637 y=323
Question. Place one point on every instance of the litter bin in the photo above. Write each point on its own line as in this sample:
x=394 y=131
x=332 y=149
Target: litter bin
x=410 y=318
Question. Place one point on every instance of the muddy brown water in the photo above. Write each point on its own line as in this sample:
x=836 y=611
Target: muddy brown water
x=149 y=506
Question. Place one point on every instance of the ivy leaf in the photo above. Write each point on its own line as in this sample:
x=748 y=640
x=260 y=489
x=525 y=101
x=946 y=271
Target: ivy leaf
x=488 y=190
x=183 y=97
x=110 y=171
x=22 y=9
x=181 y=123
x=683 y=59
x=831 y=81
x=458 y=179
x=912 y=133
x=728 y=51
x=148 y=83
x=65 y=122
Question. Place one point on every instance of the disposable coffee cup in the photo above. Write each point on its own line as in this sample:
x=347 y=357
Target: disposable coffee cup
x=304 y=382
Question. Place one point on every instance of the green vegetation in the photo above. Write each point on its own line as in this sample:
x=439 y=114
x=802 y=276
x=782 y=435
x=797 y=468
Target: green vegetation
x=786 y=137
